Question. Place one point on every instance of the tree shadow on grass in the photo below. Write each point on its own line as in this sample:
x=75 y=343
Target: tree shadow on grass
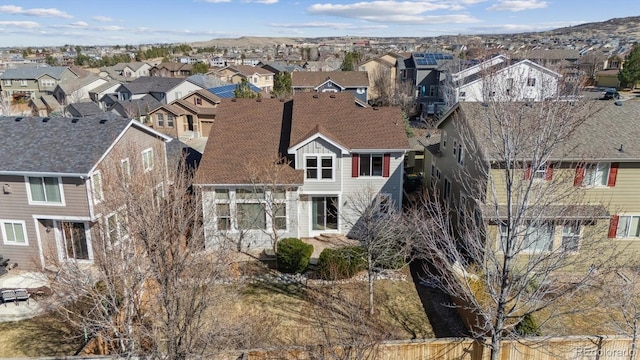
x=44 y=335
x=443 y=317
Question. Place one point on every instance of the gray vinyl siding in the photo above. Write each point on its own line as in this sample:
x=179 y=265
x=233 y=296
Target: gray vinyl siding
x=15 y=206
x=321 y=147
x=253 y=239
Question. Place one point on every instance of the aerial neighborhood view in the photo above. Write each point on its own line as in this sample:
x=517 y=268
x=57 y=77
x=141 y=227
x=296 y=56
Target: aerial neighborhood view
x=265 y=179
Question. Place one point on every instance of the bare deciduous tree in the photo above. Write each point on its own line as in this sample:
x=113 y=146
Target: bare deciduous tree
x=509 y=235
x=151 y=289
x=376 y=223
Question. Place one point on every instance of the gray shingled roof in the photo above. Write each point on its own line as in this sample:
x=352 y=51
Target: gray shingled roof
x=57 y=145
x=33 y=72
x=147 y=84
x=84 y=109
x=72 y=85
x=605 y=129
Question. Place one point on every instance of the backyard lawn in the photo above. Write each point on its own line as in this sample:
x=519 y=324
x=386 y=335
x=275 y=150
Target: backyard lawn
x=43 y=335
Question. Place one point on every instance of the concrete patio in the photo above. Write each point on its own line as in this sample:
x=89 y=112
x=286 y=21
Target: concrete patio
x=22 y=310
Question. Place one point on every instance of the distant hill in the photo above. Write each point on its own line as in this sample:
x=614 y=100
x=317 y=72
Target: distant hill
x=620 y=26
x=246 y=42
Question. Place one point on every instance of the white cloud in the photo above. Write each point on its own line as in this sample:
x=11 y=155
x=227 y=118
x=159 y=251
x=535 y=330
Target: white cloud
x=79 y=24
x=517 y=5
x=102 y=18
x=41 y=12
x=216 y=1
x=112 y=28
x=267 y=2
x=21 y=24
x=377 y=8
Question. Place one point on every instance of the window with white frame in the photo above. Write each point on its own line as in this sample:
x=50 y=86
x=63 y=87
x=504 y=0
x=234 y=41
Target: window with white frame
x=504 y=235
x=48 y=83
x=571 y=236
x=433 y=90
x=116 y=227
x=539 y=236
x=319 y=167
x=596 y=174
x=170 y=120
x=14 y=232
x=147 y=159
x=250 y=209
x=160 y=118
x=458 y=152
x=7 y=83
x=371 y=164
x=24 y=83
x=540 y=172
x=96 y=184
x=45 y=190
x=223 y=216
x=628 y=226
x=278 y=203
x=531 y=81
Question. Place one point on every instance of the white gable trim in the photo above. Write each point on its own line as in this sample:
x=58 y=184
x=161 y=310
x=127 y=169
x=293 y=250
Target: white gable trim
x=333 y=82
x=132 y=123
x=292 y=150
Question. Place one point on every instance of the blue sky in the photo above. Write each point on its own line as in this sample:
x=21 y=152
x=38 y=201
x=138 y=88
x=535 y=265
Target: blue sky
x=87 y=22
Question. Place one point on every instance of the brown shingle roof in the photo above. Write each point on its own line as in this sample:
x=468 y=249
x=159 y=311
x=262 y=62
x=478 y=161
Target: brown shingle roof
x=248 y=70
x=355 y=127
x=343 y=78
x=249 y=131
x=246 y=132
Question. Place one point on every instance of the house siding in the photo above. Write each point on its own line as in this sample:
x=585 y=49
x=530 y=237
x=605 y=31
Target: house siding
x=321 y=147
x=15 y=206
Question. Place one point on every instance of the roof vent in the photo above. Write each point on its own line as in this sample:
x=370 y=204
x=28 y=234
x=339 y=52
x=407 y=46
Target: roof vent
x=45 y=119
x=103 y=121
x=332 y=96
x=233 y=100
x=258 y=100
x=315 y=96
x=19 y=118
x=618 y=103
x=621 y=149
x=74 y=120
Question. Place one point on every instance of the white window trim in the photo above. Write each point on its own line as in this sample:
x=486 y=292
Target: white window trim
x=233 y=201
x=97 y=191
x=5 y=241
x=45 y=203
x=521 y=238
x=606 y=182
x=370 y=165
x=446 y=197
x=580 y=229
x=319 y=157
x=310 y=211
x=626 y=237
x=144 y=166
x=117 y=214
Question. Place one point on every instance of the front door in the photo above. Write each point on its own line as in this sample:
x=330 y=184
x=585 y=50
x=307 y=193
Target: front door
x=73 y=242
x=190 y=122
x=324 y=213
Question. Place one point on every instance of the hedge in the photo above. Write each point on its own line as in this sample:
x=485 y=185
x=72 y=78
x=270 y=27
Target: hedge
x=293 y=255
x=341 y=263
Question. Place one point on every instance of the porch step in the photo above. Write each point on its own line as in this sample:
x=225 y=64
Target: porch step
x=335 y=239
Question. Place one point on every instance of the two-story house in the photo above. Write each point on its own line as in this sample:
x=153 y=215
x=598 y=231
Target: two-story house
x=51 y=179
x=32 y=82
x=76 y=90
x=424 y=70
x=191 y=116
x=163 y=89
x=257 y=76
x=309 y=155
x=578 y=183
x=498 y=79
x=171 y=69
x=383 y=69
x=354 y=82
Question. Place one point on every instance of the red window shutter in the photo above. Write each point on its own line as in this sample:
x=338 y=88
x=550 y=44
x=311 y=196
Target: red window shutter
x=613 y=226
x=613 y=174
x=579 y=178
x=548 y=174
x=386 y=165
x=355 y=165
x=527 y=173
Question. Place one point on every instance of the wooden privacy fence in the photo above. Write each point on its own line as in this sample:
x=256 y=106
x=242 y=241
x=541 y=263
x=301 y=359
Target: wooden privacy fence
x=542 y=348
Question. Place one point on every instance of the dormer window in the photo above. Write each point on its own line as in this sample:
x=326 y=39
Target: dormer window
x=319 y=167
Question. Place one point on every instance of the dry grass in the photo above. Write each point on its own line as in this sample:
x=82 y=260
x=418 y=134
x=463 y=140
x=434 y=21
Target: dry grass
x=44 y=335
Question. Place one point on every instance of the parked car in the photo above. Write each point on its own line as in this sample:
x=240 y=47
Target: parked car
x=610 y=94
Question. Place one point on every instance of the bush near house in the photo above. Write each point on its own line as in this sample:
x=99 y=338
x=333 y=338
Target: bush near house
x=341 y=263
x=293 y=255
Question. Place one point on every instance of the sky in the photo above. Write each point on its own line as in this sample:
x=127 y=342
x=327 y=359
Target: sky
x=119 y=22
